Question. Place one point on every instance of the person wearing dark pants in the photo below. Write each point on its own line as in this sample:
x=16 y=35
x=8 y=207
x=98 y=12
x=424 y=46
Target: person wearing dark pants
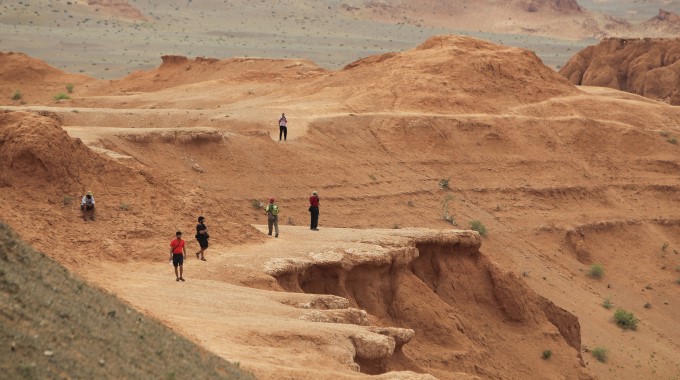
x=272 y=211
x=314 y=211
x=283 y=129
x=178 y=254
x=202 y=237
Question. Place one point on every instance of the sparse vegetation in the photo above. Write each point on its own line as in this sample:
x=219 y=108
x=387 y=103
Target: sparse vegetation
x=664 y=133
x=61 y=96
x=68 y=200
x=444 y=183
x=677 y=281
x=648 y=305
x=395 y=226
x=17 y=95
x=596 y=271
x=607 y=303
x=256 y=204
x=372 y=177
x=125 y=206
x=546 y=354
x=600 y=353
x=411 y=204
x=478 y=226
x=69 y=88
x=673 y=141
x=447 y=215
x=625 y=319
x=664 y=246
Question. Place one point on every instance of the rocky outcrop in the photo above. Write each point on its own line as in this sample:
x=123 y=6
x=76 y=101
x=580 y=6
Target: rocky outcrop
x=418 y=295
x=647 y=67
x=118 y=7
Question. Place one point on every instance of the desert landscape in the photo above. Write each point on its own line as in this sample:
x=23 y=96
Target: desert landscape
x=482 y=215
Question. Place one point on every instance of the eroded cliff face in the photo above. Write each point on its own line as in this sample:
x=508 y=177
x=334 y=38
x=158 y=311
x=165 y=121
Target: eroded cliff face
x=119 y=7
x=647 y=67
x=438 y=302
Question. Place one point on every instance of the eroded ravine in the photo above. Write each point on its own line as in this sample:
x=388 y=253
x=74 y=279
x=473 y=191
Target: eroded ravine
x=439 y=287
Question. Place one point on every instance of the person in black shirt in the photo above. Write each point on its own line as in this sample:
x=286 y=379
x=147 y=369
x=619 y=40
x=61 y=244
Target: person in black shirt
x=202 y=237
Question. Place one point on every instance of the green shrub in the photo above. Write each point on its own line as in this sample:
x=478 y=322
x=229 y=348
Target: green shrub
x=673 y=141
x=625 y=319
x=125 y=206
x=596 y=271
x=69 y=88
x=61 y=96
x=547 y=354
x=476 y=225
x=444 y=183
x=600 y=353
x=607 y=303
x=17 y=95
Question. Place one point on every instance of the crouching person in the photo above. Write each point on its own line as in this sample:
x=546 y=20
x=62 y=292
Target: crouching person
x=87 y=206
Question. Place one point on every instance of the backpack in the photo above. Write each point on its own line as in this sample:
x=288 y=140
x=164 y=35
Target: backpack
x=274 y=209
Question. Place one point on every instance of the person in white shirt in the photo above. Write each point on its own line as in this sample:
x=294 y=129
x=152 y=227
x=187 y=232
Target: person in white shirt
x=283 y=129
x=87 y=206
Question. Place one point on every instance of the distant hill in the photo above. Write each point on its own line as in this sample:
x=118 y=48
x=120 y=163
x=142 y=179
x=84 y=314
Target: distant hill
x=56 y=326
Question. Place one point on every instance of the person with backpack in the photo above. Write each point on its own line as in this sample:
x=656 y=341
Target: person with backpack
x=87 y=206
x=283 y=129
x=272 y=211
x=178 y=254
x=202 y=237
x=314 y=211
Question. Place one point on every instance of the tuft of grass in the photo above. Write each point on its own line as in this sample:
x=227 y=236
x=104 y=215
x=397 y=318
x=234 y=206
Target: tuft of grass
x=444 y=183
x=673 y=141
x=69 y=88
x=607 y=303
x=664 y=246
x=677 y=281
x=625 y=319
x=445 y=206
x=664 y=133
x=478 y=226
x=17 y=95
x=68 y=200
x=125 y=206
x=61 y=96
x=596 y=271
x=546 y=354
x=599 y=353
x=648 y=305
x=396 y=226
x=372 y=177
x=256 y=204
x=411 y=204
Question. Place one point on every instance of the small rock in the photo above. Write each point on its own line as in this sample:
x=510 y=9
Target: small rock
x=13 y=346
x=101 y=362
x=48 y=353
x=111 y=313
x=609 y=286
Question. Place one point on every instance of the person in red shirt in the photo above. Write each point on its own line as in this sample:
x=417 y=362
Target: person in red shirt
x=178 y=254
x=314 y=211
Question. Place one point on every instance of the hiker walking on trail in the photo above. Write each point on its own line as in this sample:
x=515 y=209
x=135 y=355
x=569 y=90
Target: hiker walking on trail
x=178 y=254
x=314 y=211
x=283 y=129
x=202 y=237
x=272 y=211
x=87 y=206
